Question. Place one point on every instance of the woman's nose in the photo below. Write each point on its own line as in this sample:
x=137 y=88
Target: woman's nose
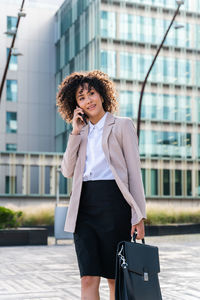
x=88 y=99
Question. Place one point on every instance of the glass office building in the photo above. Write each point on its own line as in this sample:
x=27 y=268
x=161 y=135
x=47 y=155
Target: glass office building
x=121 y=39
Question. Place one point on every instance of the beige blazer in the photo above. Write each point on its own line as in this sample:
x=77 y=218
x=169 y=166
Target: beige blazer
x=120 y=146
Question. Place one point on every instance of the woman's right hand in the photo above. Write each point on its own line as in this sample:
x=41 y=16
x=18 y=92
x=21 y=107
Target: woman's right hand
x=77 y=121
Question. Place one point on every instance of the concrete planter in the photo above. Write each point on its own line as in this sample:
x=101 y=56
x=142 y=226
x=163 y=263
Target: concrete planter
x=23 y=236
x=173 y=229
x=153 y=230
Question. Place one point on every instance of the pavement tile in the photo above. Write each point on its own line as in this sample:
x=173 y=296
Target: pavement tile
x=51 y=272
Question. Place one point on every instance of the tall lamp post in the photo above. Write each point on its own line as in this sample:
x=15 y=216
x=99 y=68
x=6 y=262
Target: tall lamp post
x=14 y=34
x=179 y=2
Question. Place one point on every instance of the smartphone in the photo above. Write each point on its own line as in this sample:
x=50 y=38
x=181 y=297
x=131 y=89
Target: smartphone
x=84 y=116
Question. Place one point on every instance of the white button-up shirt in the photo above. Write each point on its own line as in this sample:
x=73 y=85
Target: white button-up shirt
x=96 y=165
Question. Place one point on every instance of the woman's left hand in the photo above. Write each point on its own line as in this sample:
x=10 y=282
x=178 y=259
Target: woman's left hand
x=140 y=230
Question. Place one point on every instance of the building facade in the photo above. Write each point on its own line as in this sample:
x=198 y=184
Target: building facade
x=121 y=38
x=27 y=108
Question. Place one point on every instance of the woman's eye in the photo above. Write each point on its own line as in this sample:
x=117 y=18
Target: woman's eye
x=92 y=93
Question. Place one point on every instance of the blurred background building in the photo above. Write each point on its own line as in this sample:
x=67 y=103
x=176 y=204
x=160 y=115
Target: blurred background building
x=119 y=38
x=27 y=108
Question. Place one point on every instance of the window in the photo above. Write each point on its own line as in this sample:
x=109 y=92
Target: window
x=66 y=48
x=13 y=61
x=197 y=65
x=154 y=182
x=58 y=56
x=198 y=188
x=108 y=62
x=168 y=70
x=66 y=18
x=165 y=143
x=197 y=36
x=108 y=24
x=198 y=145
x=10 y=181
x=127 y=26
x=11 y=90
x=11 y=122
x=126 y=103
x=11 y=147
x=76 y=37
x=126 y=65
x=189 y=183
x=142 y=149
x=11 y=24
x=63 y=185
x=178 y=182
x=166 y=182
x=143 y=178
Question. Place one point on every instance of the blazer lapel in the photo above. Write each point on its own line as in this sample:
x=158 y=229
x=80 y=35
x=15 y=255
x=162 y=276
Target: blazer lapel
x=84 y=134
x=109 y=121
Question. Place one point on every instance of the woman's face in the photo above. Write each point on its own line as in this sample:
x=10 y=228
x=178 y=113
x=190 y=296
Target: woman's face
x=89 y=101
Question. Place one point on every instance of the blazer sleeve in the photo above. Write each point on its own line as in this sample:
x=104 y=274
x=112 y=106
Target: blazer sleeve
x=70 y=155
x=132 y=157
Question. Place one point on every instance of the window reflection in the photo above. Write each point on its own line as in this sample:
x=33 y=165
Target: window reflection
x=145 y=29
x=11 y=147
x=11 y=90
x=108 y=62
x=160 y=107
x=167 y=70
x=13 y=61
x=11 y=122
x=11 y=24
x=165 y=144
x=108 y=24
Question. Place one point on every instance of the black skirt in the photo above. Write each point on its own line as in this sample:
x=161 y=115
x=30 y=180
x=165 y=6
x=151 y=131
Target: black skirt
x=104 y=219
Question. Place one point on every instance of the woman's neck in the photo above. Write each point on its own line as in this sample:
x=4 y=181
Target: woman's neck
x=96 y=119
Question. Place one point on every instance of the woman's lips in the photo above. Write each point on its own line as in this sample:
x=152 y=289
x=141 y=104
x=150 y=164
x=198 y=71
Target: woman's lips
x=91 y=108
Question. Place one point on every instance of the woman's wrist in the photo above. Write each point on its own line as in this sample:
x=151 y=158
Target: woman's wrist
x=75 y=132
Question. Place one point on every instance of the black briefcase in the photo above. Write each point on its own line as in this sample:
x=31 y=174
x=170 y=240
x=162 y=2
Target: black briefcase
x=137 y=268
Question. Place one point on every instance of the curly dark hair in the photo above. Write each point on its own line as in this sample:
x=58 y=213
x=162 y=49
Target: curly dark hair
x=66 y=96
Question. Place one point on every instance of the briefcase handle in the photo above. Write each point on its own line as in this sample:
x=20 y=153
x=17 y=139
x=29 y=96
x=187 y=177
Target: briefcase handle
x=133 y=239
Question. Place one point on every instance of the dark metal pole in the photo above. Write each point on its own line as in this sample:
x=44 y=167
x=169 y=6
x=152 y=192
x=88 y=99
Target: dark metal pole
x=10 y=51
x=145 y=81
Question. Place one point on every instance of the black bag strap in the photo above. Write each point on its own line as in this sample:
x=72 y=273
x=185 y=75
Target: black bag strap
x=120 y=280
x=125 y=278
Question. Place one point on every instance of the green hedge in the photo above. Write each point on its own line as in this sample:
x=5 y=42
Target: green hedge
x=38 y=218
x=154 y=217
x=36 y=215
x=159 y=217
x=10 y=218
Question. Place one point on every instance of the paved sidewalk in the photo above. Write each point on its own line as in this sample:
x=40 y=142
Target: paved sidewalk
x=51 y=272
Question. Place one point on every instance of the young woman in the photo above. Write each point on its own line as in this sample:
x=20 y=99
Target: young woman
x=107 y=203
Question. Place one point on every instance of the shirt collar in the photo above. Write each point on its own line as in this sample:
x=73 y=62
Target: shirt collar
x=99 y=124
